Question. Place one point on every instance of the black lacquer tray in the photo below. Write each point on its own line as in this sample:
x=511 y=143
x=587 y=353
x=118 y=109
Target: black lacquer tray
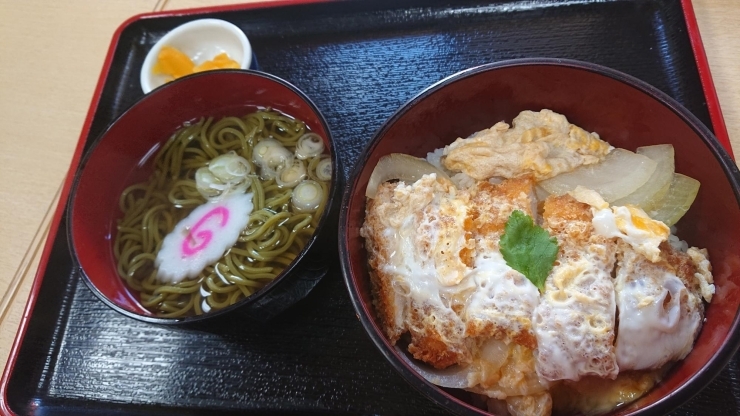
x=359 y=61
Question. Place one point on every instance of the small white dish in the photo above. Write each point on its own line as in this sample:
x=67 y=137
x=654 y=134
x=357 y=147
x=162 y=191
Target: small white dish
x=201 y=40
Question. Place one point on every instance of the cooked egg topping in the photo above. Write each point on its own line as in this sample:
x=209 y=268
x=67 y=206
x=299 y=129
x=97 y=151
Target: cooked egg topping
x=595 y=395
x=542 y=144
x=427 y=219
x=418 y=230
x=629 y=223
x=659 y=317
x=575 y=320
x=703 y=271
x=503 y=298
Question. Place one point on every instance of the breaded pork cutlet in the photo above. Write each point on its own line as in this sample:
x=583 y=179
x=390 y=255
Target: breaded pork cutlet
x=504 y=301
x=416 y=248
x=389 y=304
x=575 y=320
x=660 y=305
x=437 y=272
x=499 y=312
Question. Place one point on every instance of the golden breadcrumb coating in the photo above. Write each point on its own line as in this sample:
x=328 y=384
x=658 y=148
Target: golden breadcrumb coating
x=575 y=320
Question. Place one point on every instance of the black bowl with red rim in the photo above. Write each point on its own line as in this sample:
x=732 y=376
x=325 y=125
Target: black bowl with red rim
x=121 y=156
x=627 y=113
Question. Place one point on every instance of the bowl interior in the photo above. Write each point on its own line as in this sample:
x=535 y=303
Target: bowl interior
x=623 y=115
x=124 y=154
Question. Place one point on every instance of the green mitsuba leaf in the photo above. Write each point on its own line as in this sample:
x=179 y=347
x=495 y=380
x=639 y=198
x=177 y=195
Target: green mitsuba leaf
x=528 y=248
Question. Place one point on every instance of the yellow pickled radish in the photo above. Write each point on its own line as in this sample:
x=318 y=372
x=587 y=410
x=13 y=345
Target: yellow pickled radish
x=172 y=62
x=680 y=196
x=175 y=64
x=221 y=61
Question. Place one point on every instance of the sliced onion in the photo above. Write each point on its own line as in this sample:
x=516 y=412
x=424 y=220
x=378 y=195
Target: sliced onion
x=493 y=356
x=290 y=176
x=454 y=377
x=494 y=353
x=403 y=167
x=620 y=173
x=307 y=196
x=680 y=196
x=540 y=193
x=309 y=145
x=323 y=169
x=656 y=188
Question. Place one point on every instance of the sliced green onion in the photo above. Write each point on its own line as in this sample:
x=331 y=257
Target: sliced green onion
x=290 y=176
x=323 y=169
x=307 y=196
x=309 y=145
x=230 y=166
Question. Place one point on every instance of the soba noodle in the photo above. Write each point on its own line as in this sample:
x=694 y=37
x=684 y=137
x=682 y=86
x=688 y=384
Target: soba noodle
x=274 y=236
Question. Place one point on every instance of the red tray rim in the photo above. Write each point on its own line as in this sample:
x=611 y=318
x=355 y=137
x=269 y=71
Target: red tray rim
x=697 y=46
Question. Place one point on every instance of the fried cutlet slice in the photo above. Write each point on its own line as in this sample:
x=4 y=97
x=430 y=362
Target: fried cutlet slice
x=389 y=303
x=575 y=321
x=492 y=204
x=416 y=248
x=504 y=300
x=692 y=267
x=660 y=306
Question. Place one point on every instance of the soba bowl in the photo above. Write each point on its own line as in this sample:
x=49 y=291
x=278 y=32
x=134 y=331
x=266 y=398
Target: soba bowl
x=627 y=113
x=126 y=154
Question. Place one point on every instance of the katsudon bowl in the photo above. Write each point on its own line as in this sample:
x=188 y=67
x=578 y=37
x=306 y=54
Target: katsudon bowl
x=144 y=174
x=625 y=112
